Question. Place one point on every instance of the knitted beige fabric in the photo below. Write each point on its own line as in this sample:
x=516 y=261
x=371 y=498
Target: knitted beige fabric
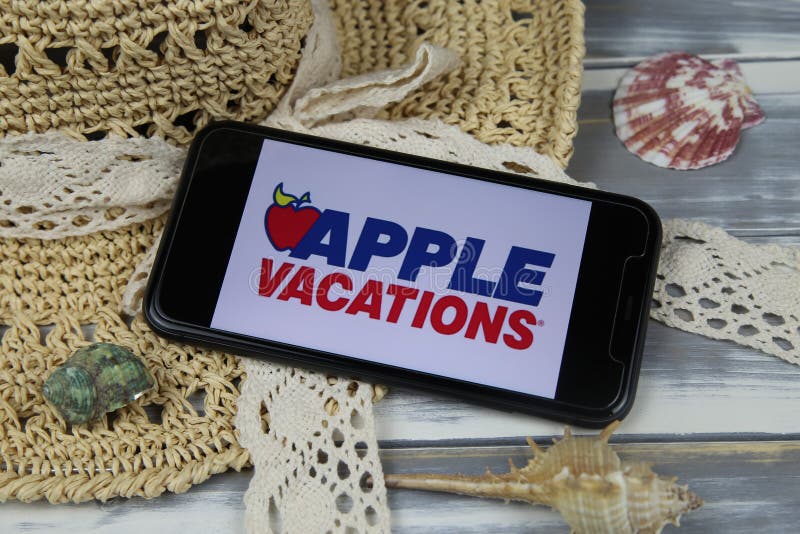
x=146 y=67
x=116 y=68
x=166 y=69
x=184 y=436
x=520 y=78
x=57 y=296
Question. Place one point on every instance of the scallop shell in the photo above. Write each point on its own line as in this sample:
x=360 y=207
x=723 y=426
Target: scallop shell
x=683 y=112
x=96 y=379
x=582 y=478
x=753 y=115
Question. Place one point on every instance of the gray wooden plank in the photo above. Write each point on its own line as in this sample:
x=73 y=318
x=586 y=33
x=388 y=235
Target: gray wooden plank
x=215 y=506
x=763 y=77
x=617 y=30
x=747 y=486
x=688 y=384
x=756 y=191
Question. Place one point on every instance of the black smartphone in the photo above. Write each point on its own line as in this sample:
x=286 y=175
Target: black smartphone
x=519 y=293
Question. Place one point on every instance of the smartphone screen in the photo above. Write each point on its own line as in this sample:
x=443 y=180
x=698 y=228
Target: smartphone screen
x=511 y=291
x=404 y=266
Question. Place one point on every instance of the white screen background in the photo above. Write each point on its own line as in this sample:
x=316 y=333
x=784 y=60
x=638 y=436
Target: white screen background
x=503 y=216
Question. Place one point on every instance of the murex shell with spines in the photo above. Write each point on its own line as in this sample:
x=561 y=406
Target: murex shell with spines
x=96 y=379
x=683 y=112
x=584 y=480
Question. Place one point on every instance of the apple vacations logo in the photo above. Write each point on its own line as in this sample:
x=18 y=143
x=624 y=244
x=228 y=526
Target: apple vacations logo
x=292 y=224
x=286 y=221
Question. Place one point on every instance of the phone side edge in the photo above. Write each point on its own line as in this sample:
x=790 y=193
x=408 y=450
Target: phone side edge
x=150 y=309
x=621 y=409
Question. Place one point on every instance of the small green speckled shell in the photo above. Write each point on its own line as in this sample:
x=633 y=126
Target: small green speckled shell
x=95 y=380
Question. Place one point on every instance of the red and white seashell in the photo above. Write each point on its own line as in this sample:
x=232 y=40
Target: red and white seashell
x=683 y=112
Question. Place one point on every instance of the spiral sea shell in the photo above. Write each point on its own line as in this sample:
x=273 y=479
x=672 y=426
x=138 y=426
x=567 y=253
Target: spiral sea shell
x=683 y=112
x=96 y=379
x=582 y=478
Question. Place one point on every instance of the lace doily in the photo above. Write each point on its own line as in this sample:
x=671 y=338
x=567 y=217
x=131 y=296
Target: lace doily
x=55 y=186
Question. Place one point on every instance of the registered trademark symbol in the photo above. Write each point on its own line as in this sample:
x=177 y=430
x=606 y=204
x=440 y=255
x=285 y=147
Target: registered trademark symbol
x=540 y=323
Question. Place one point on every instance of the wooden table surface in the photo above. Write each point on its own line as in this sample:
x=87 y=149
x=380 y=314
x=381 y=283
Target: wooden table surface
x=723 y=418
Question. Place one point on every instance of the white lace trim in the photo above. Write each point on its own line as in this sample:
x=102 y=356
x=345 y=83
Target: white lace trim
x=312 y=442
x=716 y=285
x=53 y=186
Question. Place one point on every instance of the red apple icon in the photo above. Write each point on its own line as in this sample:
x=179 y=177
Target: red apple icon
x=286 y=222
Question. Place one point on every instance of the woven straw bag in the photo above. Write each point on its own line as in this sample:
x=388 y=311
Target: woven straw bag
x=131 y=68
x=522 y=63
x=147 y=68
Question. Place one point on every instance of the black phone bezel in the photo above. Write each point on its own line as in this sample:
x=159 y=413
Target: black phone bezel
x=590 y=392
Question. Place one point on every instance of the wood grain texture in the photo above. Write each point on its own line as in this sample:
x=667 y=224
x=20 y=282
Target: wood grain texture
x=688 y=384
x=747 y=486
x=763 y=77
x=756 y=191
x=622 y=31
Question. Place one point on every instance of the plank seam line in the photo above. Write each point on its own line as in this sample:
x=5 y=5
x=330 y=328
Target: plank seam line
x=597 y=63
x=622 y=439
